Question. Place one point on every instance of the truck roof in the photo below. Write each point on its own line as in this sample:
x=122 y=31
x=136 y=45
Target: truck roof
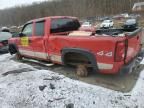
x=50 y=17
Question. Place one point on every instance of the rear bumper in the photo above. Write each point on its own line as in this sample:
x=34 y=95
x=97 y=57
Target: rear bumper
x=128 y=68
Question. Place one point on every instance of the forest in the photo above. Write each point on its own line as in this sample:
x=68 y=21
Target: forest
x=79 y=8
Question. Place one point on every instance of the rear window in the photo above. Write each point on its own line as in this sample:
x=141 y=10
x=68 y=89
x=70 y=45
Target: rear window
x=64 y=25
x=107 y=21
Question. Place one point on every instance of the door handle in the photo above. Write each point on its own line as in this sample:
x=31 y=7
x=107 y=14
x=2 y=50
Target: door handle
x=30 y=41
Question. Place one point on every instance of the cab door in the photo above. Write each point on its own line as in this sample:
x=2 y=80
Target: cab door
x=26 y=41
x=40 y=40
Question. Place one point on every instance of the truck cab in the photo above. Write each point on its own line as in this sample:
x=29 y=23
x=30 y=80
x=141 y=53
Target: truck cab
x=34 y=37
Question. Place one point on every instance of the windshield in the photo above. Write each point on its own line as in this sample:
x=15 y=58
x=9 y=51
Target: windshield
x=86 y=23
x=131 y=21
x=106 y=21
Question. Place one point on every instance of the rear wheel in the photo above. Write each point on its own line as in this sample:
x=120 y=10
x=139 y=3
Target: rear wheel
x=80 y=61
x=82 y=70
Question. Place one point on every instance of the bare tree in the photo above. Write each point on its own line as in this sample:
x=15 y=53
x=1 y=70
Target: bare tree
x=80 y=8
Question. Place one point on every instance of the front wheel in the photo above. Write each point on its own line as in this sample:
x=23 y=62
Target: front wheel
x=18 y=56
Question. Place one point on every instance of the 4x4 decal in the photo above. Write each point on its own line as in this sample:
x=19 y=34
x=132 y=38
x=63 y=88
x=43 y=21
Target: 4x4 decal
x=102 y=53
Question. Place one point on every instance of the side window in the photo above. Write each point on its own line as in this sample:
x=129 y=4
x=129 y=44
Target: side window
x=64 y=25
x=39 y=28
x=28 y=30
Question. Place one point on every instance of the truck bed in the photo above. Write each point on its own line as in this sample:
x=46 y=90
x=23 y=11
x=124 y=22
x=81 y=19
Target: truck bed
x=116 y=32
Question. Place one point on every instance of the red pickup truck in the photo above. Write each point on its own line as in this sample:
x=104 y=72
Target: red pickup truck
x=58 y=39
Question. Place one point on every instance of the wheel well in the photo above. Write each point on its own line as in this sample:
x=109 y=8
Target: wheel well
x=75 y=58
x=78 y=56
x=12 y=49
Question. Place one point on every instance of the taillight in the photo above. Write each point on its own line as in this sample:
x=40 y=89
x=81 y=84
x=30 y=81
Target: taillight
x=5 y=42
x=120 y=51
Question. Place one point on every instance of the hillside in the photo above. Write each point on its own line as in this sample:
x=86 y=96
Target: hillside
x=80 y=8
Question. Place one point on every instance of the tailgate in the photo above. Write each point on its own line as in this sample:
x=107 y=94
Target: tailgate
x=133 y=43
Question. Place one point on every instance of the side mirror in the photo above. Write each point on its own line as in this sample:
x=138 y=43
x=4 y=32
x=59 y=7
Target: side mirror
x=21 y=35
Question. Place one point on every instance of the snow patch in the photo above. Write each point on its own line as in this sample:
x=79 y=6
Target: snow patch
x=23 y=90
x=142 y=62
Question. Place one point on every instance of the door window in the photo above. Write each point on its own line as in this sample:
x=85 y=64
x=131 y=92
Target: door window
x=27 y=30
x=39 y=28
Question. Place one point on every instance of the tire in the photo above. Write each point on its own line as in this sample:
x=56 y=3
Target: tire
x=12 y=49
x=18 y=56
x=82 y=71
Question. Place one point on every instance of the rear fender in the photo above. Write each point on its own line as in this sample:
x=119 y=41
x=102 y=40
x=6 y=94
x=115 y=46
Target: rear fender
x=83 y=52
